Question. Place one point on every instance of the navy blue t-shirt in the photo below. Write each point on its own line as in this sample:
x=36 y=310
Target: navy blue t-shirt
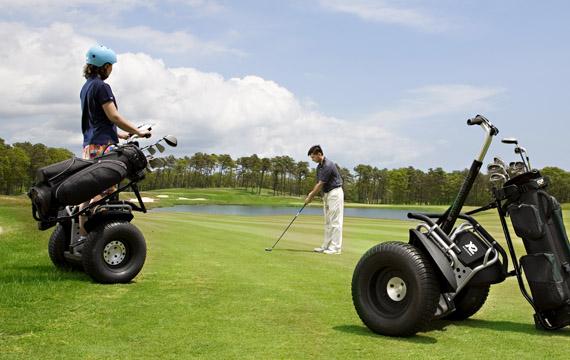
x=97 y=128
x=327 y=172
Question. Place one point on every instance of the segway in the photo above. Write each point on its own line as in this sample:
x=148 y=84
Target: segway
x=114 y=250
x=446 y=270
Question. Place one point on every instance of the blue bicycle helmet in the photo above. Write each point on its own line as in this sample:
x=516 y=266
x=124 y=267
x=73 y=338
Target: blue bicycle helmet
x=100 y=55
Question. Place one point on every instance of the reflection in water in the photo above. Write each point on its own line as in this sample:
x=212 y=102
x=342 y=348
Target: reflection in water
x=279 y=210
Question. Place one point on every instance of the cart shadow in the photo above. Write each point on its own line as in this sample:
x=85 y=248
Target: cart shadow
x=440 y=325
x=364 y=331
x=510 y=326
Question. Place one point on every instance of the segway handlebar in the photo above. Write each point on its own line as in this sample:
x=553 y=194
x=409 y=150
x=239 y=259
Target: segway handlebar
x=490 y=131
x=485 y=123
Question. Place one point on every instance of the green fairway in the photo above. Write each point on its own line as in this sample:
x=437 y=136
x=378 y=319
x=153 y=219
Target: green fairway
x=230 y=196
x=209 y=290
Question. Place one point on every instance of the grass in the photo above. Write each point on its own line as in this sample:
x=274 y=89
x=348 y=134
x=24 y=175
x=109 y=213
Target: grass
x=231 y=196
x=209 y=290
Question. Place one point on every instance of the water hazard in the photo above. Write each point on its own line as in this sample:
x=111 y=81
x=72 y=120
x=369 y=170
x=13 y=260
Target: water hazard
x=372 y=213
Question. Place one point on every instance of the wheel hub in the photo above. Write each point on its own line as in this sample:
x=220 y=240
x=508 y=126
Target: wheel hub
x=114 y=252
x=396 y=289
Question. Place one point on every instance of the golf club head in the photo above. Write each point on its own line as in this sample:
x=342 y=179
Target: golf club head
x=517 y=168
x=268 y=249
x=156 y=163
x=498 y=179
x=495 y=168
x=510 y=141
x=499 y=161
x=159 y=147
x=171 y=140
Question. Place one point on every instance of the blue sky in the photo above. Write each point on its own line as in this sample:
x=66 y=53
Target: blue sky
x=388 y=83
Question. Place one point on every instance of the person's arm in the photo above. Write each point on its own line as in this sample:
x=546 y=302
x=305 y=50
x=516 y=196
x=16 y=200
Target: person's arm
x=124 y=124
x=318 y=187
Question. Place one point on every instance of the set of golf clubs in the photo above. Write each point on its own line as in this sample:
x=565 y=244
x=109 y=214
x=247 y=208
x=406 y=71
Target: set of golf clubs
x=499 y=171
x=155 y=163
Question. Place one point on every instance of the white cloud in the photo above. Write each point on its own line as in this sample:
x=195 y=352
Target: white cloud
x=439 y=99
x=385 y=12
x=175 y=42
x=207 y=112
x=97 y=18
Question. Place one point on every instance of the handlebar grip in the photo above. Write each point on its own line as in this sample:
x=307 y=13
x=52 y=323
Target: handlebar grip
x=477 y=120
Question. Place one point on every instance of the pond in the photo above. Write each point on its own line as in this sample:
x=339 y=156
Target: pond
x=372 y=213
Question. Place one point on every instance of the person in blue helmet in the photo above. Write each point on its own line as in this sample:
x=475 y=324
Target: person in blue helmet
x=100 y=117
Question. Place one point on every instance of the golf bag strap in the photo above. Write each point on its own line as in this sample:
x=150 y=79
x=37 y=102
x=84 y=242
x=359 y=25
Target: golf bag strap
x=512 y=192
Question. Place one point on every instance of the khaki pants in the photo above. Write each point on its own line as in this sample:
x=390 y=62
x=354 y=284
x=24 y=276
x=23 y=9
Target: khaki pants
x=333 y=206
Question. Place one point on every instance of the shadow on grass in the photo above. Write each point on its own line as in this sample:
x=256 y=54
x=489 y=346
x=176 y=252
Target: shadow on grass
x=35 y=273
x=364 y=331
x=294 y=250
x=509 y=326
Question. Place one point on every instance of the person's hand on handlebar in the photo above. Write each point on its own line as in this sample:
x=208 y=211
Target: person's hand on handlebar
x=143 y=133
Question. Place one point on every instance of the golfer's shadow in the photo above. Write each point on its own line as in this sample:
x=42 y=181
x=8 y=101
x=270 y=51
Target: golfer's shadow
x=293 y=250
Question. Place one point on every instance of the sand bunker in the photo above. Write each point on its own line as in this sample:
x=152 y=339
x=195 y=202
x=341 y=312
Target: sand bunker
x=161 y=196
x=196 y=199
x=144 y=199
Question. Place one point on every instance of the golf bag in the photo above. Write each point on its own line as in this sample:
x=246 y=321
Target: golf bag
x=74 y=181
x=537 y=219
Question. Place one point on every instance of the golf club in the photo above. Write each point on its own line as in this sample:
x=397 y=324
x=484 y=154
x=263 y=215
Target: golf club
x=170 y=140
x=520 y=150
x=516 y=168
x=287 y=228
x=497 y=169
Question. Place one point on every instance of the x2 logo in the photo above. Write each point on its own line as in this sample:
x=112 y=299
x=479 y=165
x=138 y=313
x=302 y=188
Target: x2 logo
x=470 y=248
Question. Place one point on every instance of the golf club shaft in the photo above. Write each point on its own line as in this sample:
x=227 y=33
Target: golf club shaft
x=522 y=158
x=288 y=226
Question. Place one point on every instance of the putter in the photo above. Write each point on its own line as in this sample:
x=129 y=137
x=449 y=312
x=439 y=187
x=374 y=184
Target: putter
x=287 y=228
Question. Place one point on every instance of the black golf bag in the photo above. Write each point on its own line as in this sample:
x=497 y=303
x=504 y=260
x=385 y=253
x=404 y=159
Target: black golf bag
x=74 y=181
x=537 y=219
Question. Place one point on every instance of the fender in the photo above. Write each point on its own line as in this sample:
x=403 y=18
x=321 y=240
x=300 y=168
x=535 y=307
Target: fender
x=441 y=261
x=106 y=216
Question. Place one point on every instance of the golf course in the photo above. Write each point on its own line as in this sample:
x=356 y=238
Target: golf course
x=209 y=290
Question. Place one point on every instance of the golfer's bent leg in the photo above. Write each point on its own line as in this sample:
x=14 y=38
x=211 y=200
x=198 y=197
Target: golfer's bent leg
x=336 y=209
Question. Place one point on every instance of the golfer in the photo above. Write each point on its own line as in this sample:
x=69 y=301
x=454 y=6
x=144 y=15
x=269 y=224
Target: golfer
x=330 y=182
x=100 y=117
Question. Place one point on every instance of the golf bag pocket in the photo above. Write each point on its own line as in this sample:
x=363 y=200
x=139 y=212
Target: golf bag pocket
x=548 y=288
x=57 y=172
x=527 y=222
x=91 y=181
x=41 y=196
x=132 y=157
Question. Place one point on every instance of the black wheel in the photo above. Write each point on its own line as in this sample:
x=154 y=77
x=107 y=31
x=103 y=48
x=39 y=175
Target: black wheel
x=469 y=300
x=394 y=289
x=114 y=252
x=58 y=244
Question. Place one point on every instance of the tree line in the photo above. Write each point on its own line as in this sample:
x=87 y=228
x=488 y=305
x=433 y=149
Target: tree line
x=20 y=161
x=282 y=175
